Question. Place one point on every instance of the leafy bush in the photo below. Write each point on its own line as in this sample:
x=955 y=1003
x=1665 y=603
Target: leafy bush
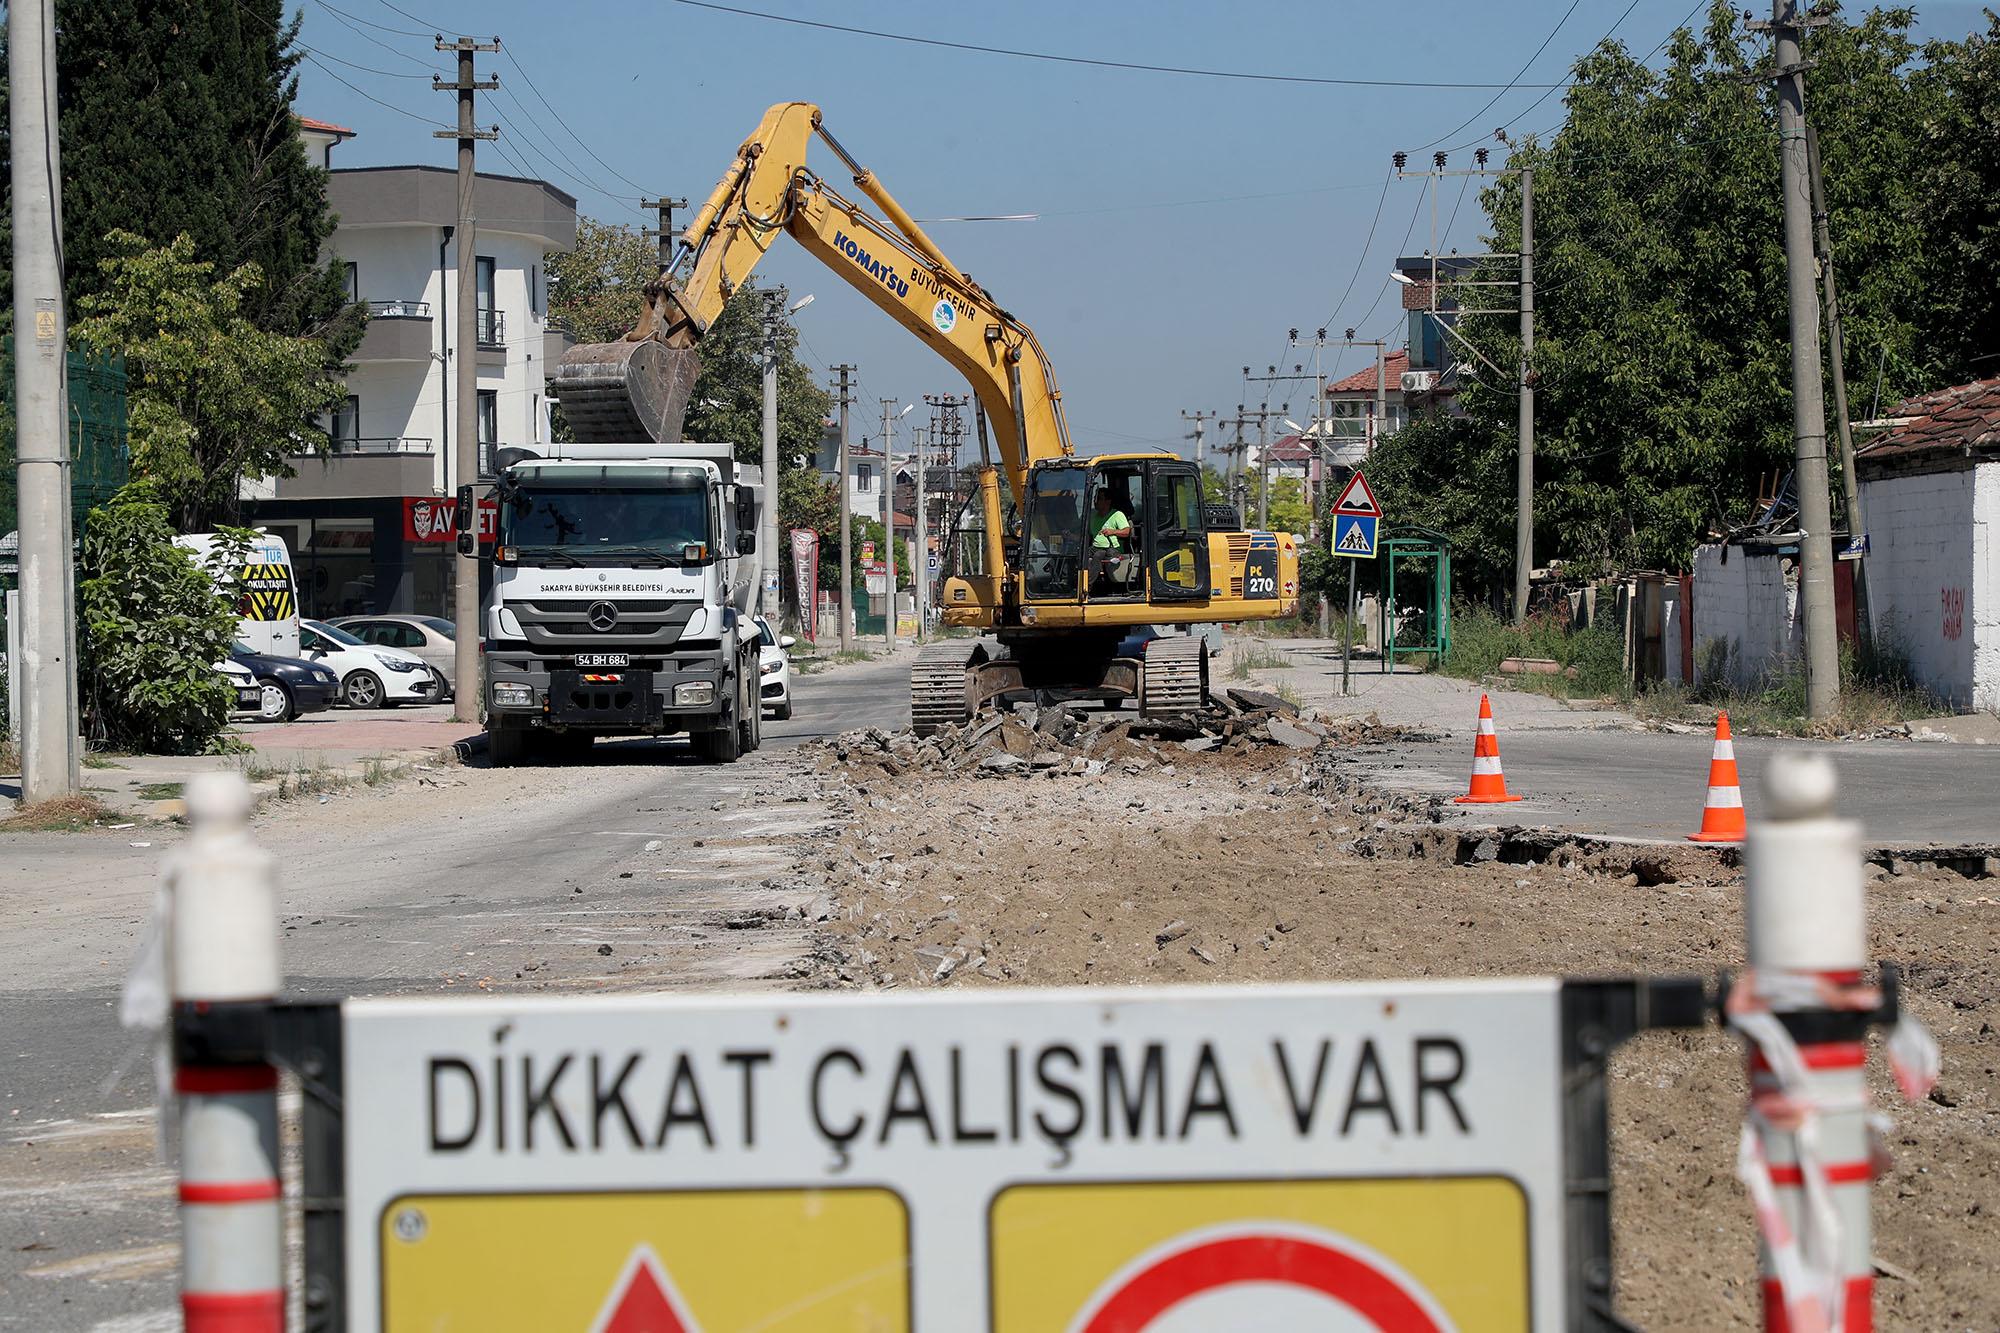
x=154 y=623
x=1481 y=640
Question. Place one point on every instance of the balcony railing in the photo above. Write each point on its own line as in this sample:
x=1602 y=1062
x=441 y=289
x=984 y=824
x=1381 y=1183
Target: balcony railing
x=492 y=328
x=399 y=309
x=351 y=446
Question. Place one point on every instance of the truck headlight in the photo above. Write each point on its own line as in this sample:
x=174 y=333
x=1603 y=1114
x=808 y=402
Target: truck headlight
x=513 y=694
x=694 y=693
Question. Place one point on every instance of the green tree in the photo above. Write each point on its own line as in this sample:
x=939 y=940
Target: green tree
x=154 y=623
x=213 y=399
x=728 y=402
x=1662 y=357
x=1956 y=180
x=597 y=290
x=176 y=118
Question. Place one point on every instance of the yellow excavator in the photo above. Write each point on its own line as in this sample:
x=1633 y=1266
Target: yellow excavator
x=1097 y=549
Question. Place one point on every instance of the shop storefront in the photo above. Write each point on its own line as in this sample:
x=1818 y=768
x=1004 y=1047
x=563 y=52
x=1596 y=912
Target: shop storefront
x=375 y=556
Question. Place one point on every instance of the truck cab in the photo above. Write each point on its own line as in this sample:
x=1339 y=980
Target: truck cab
x=621 y=599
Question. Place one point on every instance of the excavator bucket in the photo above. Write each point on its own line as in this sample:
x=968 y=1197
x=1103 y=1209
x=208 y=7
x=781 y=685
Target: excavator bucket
x=626 y=392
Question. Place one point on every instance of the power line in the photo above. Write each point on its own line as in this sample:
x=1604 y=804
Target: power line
x=349 y=22
x=1511 y=83
x=1362 y=259
x=433 y=27
x=1085 y=60
x=644 y=192
x=380 y=27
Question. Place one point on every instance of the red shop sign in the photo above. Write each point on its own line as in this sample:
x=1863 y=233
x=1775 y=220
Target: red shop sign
x=435 y=519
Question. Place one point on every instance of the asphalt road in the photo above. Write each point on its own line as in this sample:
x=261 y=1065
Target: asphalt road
x=415 y=888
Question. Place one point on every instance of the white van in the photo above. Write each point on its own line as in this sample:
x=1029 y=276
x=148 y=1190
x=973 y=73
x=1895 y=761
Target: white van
x=270 y=607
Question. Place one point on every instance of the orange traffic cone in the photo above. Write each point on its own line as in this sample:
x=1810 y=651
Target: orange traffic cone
x=1489 y=785
x=1722 y=817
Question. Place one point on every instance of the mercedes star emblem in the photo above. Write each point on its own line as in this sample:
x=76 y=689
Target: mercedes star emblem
x=603 y=617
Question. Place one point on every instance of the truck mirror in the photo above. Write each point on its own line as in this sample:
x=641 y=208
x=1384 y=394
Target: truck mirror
x=465 y=515
x=746 y=510
x=746 y=541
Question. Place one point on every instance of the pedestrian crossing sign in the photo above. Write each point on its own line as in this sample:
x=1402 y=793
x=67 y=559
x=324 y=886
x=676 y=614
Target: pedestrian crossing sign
x=1354 y=535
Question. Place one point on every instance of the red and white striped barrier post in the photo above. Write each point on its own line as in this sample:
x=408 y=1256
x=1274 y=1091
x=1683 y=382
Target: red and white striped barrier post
x=224 y=969
x=1808 y=1155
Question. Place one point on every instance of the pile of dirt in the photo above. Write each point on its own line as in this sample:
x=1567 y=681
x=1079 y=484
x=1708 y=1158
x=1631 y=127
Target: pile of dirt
x=1267 y=863
x=1072 y=740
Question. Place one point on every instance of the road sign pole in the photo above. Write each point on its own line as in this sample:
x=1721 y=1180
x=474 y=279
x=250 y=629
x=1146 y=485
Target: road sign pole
x=222 y=940
x=1347 y=634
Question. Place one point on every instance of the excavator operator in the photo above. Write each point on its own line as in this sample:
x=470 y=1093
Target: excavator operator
x=1110 y=540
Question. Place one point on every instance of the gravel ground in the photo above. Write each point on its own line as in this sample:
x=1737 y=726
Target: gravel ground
x=1284 y=867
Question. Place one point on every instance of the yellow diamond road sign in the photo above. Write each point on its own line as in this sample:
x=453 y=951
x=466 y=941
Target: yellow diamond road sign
x=1318 y=1158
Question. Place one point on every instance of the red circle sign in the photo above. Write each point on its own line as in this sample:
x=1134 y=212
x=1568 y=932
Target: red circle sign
x=1290 y=1265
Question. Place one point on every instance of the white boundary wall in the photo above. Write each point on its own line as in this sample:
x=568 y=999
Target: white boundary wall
x=1743 y=598
x=1931 y=578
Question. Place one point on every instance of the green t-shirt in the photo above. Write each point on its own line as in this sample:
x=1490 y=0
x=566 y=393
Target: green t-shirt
x=1114 y=541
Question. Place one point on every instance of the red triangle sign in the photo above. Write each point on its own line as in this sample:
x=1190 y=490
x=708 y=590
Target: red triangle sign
x=1357 y=498
x=643 y=1300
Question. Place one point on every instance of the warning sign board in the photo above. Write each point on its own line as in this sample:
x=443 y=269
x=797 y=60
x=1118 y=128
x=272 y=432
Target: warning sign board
x=1354 y=535
x=1357 y=498
x=1347 y=1157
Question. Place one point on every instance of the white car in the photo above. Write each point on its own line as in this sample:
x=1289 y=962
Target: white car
x=249 y=694
x=371 y=675
x=776 y=665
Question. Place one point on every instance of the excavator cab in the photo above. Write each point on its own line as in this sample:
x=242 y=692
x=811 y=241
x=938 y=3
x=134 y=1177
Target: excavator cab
x=1115 y=530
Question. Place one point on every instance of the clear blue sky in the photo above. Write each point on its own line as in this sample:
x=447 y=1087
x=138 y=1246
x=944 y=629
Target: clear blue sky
x=1183 y=223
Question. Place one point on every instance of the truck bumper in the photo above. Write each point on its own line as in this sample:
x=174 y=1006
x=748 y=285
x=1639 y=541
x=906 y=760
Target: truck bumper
x=684 y=692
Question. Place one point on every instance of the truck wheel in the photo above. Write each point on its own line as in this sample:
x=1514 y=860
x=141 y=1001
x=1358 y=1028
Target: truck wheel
x=721 y=746
x=506 y=747
x=751 y=729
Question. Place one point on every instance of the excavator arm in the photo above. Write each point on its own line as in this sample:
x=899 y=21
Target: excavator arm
x=769 y=189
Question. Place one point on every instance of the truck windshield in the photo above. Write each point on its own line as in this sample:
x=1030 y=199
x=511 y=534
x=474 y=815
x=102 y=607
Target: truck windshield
x=582 y=521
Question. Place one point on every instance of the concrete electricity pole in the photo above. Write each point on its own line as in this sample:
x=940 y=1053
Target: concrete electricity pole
x=665 y=232
x=465 y=600
x=1850 y=485
x=889 y=517
x=846 y=520
x=1808 y=402
x=1198 y=418
x=767 y=522
x=47 y=678
x=1524 y=466
x=920 y=577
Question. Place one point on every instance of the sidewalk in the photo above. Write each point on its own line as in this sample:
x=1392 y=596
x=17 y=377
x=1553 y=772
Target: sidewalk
x=1596 y=769
x=334 y=747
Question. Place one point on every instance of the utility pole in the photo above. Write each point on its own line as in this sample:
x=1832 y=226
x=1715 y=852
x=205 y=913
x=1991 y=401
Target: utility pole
x=50 y=764
x=665 y=231
x=846 y=521
x=1524 y=465
x=889 y=518
x=465 y=602
x=1263 y=416
x=1808 y=401
x=1850 y=485
x=921 y=576
x=767 y=522
x=1200 y=452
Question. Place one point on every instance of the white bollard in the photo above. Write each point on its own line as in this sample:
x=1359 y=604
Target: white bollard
x=223 y=965
x=1805 y=1154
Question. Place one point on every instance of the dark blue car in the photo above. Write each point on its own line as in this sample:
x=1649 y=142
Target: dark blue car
x=291 y=685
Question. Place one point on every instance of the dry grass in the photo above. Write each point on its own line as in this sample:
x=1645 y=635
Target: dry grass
x=65 y=814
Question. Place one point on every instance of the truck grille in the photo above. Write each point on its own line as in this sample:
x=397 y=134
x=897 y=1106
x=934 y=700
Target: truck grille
x=565 y=623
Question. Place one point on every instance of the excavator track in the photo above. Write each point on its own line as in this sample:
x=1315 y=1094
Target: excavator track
x=1174 y=680
x=939 y=685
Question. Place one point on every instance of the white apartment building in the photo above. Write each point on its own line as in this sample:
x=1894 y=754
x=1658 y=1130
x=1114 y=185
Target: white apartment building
x=370 y=525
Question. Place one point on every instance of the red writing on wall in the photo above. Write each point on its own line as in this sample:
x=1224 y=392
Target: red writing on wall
x=1953 y=600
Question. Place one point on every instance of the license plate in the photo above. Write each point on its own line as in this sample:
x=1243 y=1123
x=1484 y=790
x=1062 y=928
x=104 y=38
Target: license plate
x=249 y=696
x=603 y=659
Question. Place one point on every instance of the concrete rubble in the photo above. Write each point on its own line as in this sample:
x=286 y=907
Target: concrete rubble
x=1076 y=740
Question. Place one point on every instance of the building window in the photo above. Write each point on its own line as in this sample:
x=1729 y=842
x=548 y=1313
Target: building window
x=864 y=476
x=535 y=289
x=346 y=423
x=491 y=331
x=489 y=429
x=352 y=275
x=535 y=421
